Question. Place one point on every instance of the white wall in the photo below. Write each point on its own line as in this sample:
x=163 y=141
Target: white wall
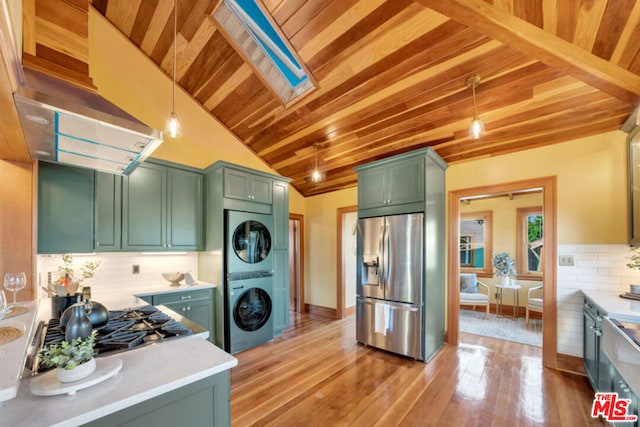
x=596 y=267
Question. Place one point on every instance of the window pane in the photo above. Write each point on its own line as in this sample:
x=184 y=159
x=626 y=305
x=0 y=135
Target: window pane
x=534 y=242
x=472 y=243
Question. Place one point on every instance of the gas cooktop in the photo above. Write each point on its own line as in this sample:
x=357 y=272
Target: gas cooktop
x=126 y=329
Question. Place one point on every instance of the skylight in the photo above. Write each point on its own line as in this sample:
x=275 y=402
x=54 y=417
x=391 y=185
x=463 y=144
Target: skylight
x=277 y=65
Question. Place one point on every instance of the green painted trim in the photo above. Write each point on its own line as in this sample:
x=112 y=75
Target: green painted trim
x=427 y=151
x=221 y=164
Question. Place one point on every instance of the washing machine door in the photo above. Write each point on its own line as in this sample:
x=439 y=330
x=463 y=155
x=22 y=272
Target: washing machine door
x=252 y=309
x=249 y=242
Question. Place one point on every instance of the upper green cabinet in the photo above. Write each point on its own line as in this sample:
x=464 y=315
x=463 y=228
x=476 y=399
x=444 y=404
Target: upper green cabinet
x=159 y=207
x=108 y=212
x=65 y=208
x=246 y=186
x=162 y=209
x=392 y=184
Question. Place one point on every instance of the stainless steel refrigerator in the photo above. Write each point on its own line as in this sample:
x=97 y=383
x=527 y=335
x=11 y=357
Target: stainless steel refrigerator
x=390 y=284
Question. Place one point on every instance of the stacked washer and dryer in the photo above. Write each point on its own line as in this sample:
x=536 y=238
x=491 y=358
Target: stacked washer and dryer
x=249 y=280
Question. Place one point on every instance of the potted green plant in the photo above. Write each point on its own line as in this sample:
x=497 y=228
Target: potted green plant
x=73 y=360
x=634 y=264
x=504 y=267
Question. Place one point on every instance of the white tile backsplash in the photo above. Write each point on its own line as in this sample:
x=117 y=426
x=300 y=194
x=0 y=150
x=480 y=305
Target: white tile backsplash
x=115 y=271
x=598 y=267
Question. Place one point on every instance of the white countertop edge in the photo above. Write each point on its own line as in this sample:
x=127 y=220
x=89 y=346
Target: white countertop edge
x=149 y=370
x=166 y=289
x=142 y=397
x=12 y=354
x=622 y=309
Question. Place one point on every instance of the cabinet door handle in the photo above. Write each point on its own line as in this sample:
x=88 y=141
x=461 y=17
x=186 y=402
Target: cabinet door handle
x=185 y=297
x=184 y=309
x=598 y=332
x=599 y=319
x=189 y=308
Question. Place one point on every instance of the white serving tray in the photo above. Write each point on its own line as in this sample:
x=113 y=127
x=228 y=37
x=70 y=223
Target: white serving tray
x=48 y=385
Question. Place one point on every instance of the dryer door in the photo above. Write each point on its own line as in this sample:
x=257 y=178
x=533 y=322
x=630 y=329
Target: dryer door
x=249 y=242
x=252 y=309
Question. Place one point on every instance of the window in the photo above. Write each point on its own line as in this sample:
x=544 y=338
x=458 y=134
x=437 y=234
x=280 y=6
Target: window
x=475 y=243
x=250 y=29
x=529 y=240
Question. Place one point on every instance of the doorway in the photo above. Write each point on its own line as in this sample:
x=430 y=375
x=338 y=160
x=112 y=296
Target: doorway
x=549 y=328
x=296 y=263
x=346 y=221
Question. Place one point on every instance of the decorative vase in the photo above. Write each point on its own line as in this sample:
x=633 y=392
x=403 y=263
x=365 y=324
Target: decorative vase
x=78 y=373
x=504 y=281
x=60 y=304
x=79 y=325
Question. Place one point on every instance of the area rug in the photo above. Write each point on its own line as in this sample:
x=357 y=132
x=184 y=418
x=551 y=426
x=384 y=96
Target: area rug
x=505 y=328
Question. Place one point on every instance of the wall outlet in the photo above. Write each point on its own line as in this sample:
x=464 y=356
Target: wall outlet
x=566 y=260
x=135 y=269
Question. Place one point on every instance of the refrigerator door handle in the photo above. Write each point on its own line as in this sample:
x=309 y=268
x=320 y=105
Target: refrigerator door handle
x=381 y=253
x=387 y=258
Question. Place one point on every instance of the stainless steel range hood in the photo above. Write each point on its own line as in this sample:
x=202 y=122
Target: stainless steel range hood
x=65 y=123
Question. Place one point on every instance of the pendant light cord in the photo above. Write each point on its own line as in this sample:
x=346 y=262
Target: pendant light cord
x=473 y=90
x=175 y=38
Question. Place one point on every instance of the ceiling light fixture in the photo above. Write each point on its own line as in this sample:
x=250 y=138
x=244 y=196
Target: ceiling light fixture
x=172 y=126
x=476 y=129
x=316 y=176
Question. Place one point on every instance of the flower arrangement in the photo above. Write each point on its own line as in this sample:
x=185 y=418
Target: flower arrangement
x=504 y=265
x=67 y=274
x=635 y=259
x=69 y=355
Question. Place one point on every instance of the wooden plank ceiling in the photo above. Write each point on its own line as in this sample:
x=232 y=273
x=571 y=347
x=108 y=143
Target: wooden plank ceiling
x=391 y=76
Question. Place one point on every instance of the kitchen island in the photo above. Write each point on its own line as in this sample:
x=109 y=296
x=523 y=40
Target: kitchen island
x=185 y=381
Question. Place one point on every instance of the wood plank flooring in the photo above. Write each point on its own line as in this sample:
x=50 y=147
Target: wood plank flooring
x=317 y=375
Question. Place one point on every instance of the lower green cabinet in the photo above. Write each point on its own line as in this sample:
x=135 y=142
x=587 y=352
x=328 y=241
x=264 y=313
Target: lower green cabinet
x=203 y=403
x=196 y=305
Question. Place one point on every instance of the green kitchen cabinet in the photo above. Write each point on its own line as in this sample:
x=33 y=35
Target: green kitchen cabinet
x=247 y=186
x=196 y=305
x=395 y=186
x=620 y=386
x=108 y=212
x=595 y=362
x=202 y=403
x=414 y=182
x=226 y=189
x=162 y=209
x=280 y=257
x=65 y=209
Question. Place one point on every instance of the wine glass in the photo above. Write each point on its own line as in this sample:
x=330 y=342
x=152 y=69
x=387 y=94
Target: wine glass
x=14 y=282
x=3 y=304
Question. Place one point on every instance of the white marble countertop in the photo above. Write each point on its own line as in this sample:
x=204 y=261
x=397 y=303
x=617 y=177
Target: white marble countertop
x=617 y=308
x=147 y=371
x=12 y=354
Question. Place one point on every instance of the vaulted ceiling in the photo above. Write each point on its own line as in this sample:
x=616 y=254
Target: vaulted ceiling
x=391 y=76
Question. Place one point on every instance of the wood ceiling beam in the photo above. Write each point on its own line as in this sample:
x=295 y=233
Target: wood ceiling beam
x=541 y=45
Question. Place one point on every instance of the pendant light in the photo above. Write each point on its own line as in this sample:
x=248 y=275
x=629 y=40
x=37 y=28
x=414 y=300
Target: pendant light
x=316 y=176
x=172 y=126
x=476 y=129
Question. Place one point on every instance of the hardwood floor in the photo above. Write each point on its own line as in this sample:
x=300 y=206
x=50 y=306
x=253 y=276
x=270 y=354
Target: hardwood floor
x=317 y=375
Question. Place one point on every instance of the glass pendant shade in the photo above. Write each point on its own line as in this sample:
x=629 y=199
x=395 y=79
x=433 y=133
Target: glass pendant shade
x=476 y=129
x=172 y=126
x=315 y=176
